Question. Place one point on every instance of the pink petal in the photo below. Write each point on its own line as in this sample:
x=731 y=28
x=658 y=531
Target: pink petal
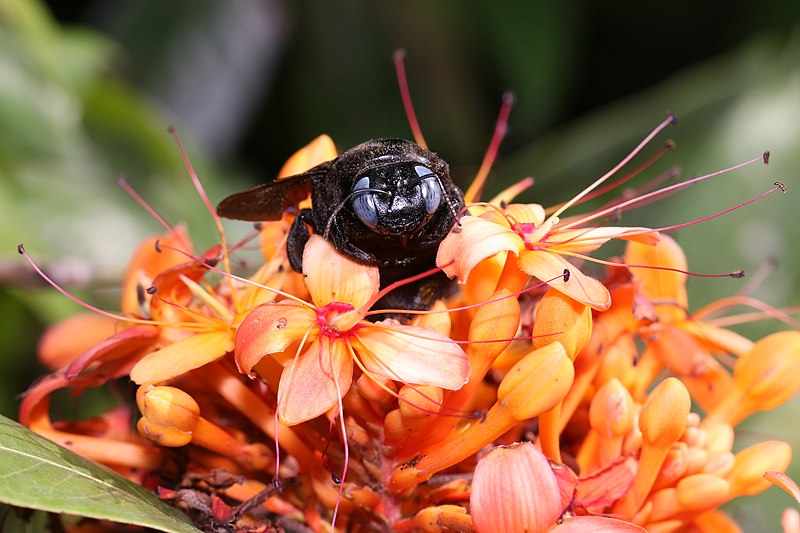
x=182 y=356
x=514 y=489
x=580 y=287
x=475 y=240
x=269 y=329
x=412 y=354
x=332 y=277
x=307 y=388
x=597 y=524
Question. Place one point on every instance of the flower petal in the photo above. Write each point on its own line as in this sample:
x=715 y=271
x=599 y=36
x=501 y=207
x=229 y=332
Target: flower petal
x=412 y=354
x=307 y=388
x=332 y=277
x=585 y=240
x=596 y=524
x=182 y=356
x=268 y=329
x=547 y=265
x=475 y=240
x=318 y=151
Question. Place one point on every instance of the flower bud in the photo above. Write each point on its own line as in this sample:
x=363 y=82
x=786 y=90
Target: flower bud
x=563 y=319
x=514 y=489
x=169 y=415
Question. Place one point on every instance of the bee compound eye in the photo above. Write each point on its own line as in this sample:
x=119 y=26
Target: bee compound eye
x=364 y=203
x=430 y=188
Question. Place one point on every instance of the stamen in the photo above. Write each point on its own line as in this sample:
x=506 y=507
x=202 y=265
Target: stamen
x=86 y=305
x=669 y=120
x=209 y=206
x=669 y=145
x=125 y=186
x=686 y=183
x=500 y=129
x=246 y=281
x=767 y=311
x=734 y=274
x=405 y=95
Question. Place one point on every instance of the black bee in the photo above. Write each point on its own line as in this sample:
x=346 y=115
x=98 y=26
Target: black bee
x=386 y=202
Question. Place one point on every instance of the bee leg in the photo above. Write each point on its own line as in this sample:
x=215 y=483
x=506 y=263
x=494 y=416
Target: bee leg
x=298 y=237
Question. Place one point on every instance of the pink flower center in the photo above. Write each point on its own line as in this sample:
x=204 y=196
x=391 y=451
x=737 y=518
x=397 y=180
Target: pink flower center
x=328 y=319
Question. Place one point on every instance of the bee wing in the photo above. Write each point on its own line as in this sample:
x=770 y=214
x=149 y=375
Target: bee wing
x=268 y=201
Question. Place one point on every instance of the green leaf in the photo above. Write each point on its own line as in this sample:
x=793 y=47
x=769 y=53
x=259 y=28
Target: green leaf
x=39 y=474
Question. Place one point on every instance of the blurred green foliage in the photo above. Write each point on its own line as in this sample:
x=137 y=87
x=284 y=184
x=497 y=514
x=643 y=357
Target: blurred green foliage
x=80 y=106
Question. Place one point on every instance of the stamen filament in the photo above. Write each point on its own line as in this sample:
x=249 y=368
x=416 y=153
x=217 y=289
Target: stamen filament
x=666 y=122
x=632 y=201
x=500 y=129
x=405 y=95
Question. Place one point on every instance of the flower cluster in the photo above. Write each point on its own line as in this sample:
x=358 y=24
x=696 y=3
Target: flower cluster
x=536 y=397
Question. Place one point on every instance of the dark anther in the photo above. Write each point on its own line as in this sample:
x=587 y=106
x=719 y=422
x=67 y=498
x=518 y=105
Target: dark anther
x=456 y=228
x=171 y=129
x=336 y=479
x=277 y=484
x=672 y=118
x=736 y=274
x=258 y=226
x=781 y=186
x=503 y=204
x=566 y=275
x=670 y=144
x=212 y=262
x=151 y=290
x=20 y=249
x=158 y=246
x=765 y=157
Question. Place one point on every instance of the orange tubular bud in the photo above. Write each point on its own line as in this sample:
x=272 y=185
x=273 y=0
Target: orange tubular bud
x=658 y=284
x=764 y=378
x=534 y=385
x=169 y=415
x=514 y=489
x=715 y=522
x=662 y=421
x=422 y=401
x=537 y=382
x=746 y=478
x=560 y=318
x=441 y=519
x=613 y=416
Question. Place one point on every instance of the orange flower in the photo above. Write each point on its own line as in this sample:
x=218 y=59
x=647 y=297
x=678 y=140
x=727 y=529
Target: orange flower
x=326 y=338
x=540 y=245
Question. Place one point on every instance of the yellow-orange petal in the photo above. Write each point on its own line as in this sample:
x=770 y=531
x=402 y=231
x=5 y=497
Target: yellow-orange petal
x=269 y=329
x=597 y=524
x=315 y=382
x=660 y=284
x=412 y=354
x=549 y=267
x=514 y=490
x=475 y=240
x=746 y=478
x=332 y=277
x=318 y=151
x=182 y=356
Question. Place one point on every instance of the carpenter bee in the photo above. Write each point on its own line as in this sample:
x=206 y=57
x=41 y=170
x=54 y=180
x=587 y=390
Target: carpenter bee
x=386 y=202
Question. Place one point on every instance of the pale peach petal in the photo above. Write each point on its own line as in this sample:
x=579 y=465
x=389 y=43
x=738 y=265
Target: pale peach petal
x=182 y=356
x=475 y=240
x=308 y=387
x=526 y=213
x=269 y=329
x=596 y=524
x=546 y=266
x=332 y=277
x=412 y=355
x=585 y=240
